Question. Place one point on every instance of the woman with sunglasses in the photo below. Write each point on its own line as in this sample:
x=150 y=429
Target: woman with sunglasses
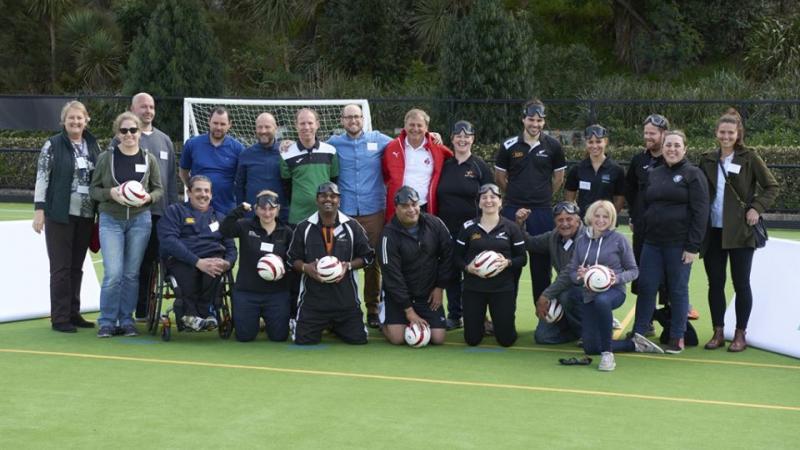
x=253 y=297
x=596 y=177
x=64 y=210
x=462 y=176
x=674 y=219
x=741 y=188
x=490 y=231
x=124 y=229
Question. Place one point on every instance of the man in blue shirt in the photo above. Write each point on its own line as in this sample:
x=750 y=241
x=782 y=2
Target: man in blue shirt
x=363 y=194
x=215 y=155
x=260 y=166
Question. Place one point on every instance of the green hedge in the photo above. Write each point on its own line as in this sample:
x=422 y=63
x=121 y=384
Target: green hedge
x=18 y=168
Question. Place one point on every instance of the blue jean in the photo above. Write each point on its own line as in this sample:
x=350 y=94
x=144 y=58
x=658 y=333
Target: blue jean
x=249 y=307
x=658 y=262
x=597 y=318
x=569 y=327
x=124 y=243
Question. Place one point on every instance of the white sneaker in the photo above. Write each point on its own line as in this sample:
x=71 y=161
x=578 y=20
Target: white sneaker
x=616 y=324
x=607 y=363
x=193 y=322
x=210 y=323
x=644 y=345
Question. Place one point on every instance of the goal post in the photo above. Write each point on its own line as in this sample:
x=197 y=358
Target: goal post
x=243 y=113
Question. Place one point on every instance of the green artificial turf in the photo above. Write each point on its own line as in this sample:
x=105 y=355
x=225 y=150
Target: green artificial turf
x=198 y=391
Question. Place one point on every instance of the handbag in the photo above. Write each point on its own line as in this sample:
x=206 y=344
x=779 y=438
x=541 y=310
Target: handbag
x=759 y=229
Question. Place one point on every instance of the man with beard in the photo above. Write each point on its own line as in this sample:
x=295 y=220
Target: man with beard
x=259 y=166
x=215 y=155
x=335 y=304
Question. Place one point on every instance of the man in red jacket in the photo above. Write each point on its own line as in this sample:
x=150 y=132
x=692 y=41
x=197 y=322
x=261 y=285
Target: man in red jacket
x=414 y=159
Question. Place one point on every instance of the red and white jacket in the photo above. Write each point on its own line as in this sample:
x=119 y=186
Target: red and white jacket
x=394 y=166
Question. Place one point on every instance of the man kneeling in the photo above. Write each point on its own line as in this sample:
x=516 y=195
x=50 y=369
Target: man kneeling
x=196 y=254
x=416 y=259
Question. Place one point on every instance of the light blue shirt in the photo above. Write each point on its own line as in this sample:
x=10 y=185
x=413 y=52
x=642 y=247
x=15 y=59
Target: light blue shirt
x=716 y=207
x=360 y=174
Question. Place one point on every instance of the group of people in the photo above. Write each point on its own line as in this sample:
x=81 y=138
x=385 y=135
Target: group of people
x=410 y=211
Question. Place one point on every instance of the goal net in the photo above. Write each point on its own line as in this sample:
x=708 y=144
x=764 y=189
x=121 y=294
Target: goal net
x=243 y=113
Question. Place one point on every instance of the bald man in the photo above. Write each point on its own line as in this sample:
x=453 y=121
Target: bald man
x=260 y=166
x=159 y=145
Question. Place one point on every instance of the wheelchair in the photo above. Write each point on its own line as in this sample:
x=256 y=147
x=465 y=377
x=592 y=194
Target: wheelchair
x=163 y=287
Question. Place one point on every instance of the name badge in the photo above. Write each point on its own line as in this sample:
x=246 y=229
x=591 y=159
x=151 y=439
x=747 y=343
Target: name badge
x=83 y=189
x=567 y=244
x=213 y=226
x=82 y=163
x=164 y=155
x=585 y=185
x=372 y=146
x=337 y=230
x=267 y=247
x=734 y=168
x=140 y=168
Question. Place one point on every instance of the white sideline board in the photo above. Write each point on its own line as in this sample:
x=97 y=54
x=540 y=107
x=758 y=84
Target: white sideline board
x=26 y=275
x=775 y=320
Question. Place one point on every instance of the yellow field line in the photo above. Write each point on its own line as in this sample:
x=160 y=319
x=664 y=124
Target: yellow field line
x=412 y=380
x=625 y=323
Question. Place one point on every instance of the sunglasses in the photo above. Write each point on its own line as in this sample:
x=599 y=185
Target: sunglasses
x=534 y=110
x=657 y=120
x=595 y=130
x=131 y=130
x=265 y=200
x=489 y=187
x=462 y=126
x=568 y=207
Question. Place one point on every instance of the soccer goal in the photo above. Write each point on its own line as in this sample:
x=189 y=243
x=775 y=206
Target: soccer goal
x=243 y=113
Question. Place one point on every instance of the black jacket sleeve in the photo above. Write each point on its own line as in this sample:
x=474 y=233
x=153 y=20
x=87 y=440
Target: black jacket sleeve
x=297 y=249
x=632 y=183
x=698 y=210
x=361 y=247
x=445 y=255
x=460 y=250
x=230 y=227
x=394 y=283
x=519 y=257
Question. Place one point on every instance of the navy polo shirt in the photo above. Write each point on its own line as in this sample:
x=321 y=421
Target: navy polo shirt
x=201 y=157
x=606 y=183
x=530 y=170
x=259 y=169
x=458 y=188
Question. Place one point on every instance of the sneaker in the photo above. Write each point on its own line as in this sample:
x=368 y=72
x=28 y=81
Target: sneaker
x=693 y=314
x=644 y=345
x=193 y=323
x=452 y=324
x=210 y=323
x=607 y=362
x=674 y=347
x=488 y=328
x=651 y=330
x=579 y=342
x=373 y=320
x=105 y=332
x=129 y=330
x=616 y=324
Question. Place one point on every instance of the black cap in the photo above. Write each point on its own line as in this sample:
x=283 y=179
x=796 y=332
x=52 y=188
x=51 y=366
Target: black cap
x=328 y=187
x=406 y=194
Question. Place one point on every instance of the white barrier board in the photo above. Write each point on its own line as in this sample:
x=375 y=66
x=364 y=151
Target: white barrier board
x=775 y=321
x=25 y=271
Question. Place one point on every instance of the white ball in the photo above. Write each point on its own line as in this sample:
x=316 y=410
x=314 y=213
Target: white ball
x=555 y=312
x=329 y=268
x=270 y=267
x=597 y=278
x=417 y=336
x=487 y=263
x=132 y=192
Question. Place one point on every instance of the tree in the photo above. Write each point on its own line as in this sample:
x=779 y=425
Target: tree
x=95 y=48
x=177 y=55
x=50 y=11
x=489 y=55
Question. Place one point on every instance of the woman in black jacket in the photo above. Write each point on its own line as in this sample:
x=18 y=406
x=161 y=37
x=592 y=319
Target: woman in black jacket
x=253 y=297
x=741 y=188
x=65 y=211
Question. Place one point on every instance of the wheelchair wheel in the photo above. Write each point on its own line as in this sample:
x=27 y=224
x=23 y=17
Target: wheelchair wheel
x=224 y=316
x=154 y=297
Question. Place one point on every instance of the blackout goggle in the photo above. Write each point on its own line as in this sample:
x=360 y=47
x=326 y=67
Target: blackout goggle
x=657 y=120
x=462 y=126
x=534 y=110
x=489 y=187
x=568 y=207
x=267 y=199
x=595 y=130
x=406 y=194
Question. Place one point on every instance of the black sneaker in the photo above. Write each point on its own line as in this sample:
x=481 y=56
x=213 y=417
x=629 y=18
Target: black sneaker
x=105 y=332
x=129 y=330
x=373 y=320
x=64 y=327
x=452 y=324
x=80 y=322
x=674 y=347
